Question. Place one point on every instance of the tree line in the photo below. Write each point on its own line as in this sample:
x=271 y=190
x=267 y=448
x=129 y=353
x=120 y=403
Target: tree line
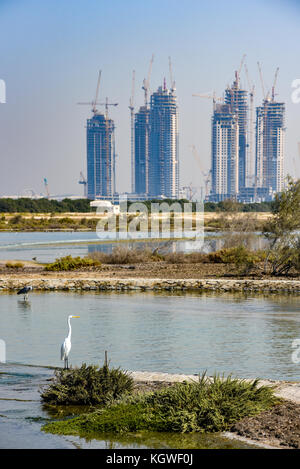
x=25 y=204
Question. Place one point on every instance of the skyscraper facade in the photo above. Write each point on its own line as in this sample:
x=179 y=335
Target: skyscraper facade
x=225 y=154
x=163 y=167
x=141 y=150
x=236 y=98
x=270 y=136
x=100 y=156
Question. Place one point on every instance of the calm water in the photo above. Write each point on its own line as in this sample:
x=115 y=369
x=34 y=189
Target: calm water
x=46 y=247
x=176 y=333
x=169 y=333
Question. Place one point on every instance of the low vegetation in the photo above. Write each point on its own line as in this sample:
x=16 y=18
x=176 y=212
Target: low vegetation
x=45 y=205
x=282 y=232
x=14 y=265
x=72 y=263
x=87 y=385
x=208 y=405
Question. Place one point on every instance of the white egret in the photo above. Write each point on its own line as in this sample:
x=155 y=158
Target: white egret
x=24 y=291
x=66 y=346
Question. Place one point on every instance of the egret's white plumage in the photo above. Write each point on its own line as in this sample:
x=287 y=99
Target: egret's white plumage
x=66 y=346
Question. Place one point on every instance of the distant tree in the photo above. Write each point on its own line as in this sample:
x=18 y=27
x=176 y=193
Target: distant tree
x=282 y=231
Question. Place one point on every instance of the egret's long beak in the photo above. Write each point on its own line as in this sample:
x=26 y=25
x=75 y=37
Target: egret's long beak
x=76 y=316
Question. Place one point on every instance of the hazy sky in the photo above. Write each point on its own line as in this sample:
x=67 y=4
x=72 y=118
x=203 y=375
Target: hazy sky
x=51 y=51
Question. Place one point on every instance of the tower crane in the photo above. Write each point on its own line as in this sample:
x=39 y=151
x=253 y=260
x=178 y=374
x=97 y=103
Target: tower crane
x=146 y=82
x=171 y=75
x=94 y=103
x=274 y=83
x=131 y=108
x=262 y=81
x=83 y=181
x=210 y=96
x=238 y=73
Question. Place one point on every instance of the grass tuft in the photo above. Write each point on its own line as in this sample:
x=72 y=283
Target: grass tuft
x=87 y=385
x=208 y=405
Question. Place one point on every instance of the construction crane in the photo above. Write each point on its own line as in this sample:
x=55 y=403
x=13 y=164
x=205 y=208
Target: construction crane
x=46 y=188
x=83 y=181
x=262 y=81
x=238 y=73
x=251 y=131
x=171 y=75
x=274 y=84
x=94 y=103
x=210 y=96
x=146 y=82
x=131 y=108
x=206 y=175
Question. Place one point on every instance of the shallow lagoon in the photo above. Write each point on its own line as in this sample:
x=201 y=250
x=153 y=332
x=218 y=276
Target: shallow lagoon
x=176 y=333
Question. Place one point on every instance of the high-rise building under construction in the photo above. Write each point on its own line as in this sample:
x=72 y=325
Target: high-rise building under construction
x=225 y=153
x=141 y=150
x=236 y=98
x=163 y=162
x=100 y=156
x=270 y=136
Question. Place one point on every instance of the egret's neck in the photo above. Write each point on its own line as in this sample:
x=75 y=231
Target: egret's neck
x=70 y=330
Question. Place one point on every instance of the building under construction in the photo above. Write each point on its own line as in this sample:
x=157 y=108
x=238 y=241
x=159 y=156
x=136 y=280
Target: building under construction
x=163 y=166
x=141 y=150
x=100 y=156
x=270 y=136
x=236 y=98
x=225 y=153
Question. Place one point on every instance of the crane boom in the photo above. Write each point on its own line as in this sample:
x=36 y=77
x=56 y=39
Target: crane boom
x=261 y=80
x=240 y=68
x=146 y=82
x=171 y=75
x=274 y=83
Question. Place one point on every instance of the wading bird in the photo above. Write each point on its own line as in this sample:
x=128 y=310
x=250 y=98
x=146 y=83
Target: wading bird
x=24 y=291
x=66 y=346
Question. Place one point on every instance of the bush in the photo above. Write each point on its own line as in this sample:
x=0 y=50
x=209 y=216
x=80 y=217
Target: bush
x=204 y=406
x=124 y=255
x=238 y=255
x=14 y=265
x=87 y=385
x=72 y=263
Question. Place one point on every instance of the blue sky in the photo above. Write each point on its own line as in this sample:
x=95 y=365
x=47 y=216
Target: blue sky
x=51 y=51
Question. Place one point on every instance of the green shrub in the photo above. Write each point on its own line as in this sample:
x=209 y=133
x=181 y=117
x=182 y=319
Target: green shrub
x=87 y=385
x=238 y=255
x=72 y=263
x=14 y=265
x=204 y=406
